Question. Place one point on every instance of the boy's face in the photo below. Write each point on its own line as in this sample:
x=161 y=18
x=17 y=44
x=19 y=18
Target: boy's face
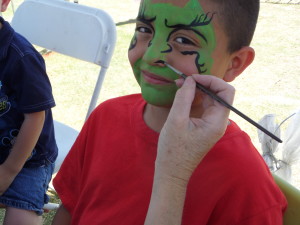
x=183 y=33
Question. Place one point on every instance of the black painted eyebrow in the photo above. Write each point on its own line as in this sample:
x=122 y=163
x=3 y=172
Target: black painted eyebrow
x=141 y=17
x=201 y=20
x=186 y=27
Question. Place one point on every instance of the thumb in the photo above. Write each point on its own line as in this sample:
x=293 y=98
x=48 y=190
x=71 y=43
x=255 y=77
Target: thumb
x=183 y=99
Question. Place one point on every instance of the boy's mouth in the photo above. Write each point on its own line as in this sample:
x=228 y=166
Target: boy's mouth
x=156 y=79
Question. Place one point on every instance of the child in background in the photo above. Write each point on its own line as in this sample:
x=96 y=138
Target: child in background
x=169 y=155
x=27 y=145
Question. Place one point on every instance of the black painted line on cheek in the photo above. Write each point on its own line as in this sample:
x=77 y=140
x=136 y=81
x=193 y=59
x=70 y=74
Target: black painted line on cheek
x=199 y=66
x=133 y=43
x=168 y=50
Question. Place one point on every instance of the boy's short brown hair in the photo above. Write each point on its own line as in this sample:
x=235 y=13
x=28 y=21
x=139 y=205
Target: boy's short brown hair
x=238 y=19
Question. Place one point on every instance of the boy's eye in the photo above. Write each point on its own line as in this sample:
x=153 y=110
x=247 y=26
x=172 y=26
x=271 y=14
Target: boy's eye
x=143 y=30
x=185 y=41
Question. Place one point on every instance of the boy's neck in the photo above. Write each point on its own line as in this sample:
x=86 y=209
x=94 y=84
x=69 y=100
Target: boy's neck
x=155 y=117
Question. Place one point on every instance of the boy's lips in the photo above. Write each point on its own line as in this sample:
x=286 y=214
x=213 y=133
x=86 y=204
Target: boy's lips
x=156 y=79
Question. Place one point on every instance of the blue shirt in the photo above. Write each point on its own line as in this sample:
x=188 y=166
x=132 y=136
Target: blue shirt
x=24 y=88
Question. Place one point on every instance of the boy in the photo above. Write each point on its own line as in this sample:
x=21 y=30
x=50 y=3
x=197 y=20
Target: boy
x=27 y=145
x=137 y=159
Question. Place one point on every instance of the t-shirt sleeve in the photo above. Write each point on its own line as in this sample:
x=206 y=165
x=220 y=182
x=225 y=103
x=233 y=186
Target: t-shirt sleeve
x=243 y=187
x=31 y=85
x=271 y=216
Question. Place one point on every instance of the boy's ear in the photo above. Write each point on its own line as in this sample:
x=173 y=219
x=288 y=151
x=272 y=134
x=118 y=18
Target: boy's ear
x=240 y=60
x=4 y=5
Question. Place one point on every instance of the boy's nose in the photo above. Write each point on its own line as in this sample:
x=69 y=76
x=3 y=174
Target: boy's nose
x=156 y=51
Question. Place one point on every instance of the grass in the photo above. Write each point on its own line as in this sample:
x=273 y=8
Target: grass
x=270 y=85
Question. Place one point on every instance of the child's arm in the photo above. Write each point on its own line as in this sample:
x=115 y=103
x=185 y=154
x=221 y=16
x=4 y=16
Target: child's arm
x=22 y=148
x=62 y=216
x=183 y=143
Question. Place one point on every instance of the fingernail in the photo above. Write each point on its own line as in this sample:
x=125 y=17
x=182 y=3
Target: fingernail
x=179 y=82
x=195 y=75
x=189 y=80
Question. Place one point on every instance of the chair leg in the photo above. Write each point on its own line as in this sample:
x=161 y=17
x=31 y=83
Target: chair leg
x=51 y=206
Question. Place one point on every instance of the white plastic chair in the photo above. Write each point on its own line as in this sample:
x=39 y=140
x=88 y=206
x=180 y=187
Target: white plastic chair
x=75 y=30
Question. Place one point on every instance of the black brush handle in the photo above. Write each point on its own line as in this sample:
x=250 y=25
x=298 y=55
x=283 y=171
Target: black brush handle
x=224 y=103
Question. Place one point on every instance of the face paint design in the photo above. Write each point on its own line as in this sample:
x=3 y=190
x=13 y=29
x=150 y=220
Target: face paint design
x=133 y=42
x=203 y=20
x=167 y=32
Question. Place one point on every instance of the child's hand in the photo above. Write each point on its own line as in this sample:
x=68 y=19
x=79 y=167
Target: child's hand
x=184 y=141
x=6 y=178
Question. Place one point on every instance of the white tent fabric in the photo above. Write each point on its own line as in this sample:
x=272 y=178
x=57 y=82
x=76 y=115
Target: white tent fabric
x=269 y=145
x=290 y=147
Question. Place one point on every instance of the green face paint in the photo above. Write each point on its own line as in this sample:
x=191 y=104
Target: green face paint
x=166 y=20
x=156 y=94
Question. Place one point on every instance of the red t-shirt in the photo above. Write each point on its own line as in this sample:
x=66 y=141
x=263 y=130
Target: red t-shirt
x=107 y=176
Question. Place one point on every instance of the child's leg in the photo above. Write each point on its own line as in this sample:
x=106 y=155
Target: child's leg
x=14 y=216
x=26 y=195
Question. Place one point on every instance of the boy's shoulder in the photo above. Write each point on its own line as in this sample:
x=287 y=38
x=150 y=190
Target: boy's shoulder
x=120 y=105
x=13 y=44
x=122 y=100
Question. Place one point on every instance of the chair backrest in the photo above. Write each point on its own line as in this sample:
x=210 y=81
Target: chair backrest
x=292 y=194
x=75 y=30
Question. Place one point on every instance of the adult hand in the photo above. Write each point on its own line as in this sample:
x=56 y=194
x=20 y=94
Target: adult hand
x=184 y=141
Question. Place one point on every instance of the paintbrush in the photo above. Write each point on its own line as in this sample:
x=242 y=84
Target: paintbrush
x=224 y=103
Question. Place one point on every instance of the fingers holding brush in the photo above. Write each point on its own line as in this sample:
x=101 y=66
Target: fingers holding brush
x=215 y=112
x=217 y=85
x=226 y=104
x=184 y=141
